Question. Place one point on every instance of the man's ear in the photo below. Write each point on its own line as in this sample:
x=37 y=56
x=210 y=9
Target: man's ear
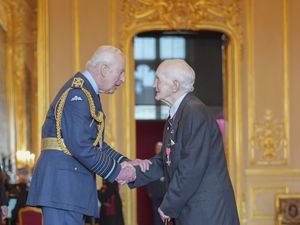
x=104 y=70
x=176 y=86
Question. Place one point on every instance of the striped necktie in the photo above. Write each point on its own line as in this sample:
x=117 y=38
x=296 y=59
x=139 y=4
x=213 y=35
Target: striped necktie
x=170 y=122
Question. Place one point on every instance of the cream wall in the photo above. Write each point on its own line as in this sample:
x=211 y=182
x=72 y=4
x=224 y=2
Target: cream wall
x=267 y=85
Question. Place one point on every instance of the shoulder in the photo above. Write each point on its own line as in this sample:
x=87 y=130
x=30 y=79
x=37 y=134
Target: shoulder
x=195 y=108
x=76 y=95
x=76 y=100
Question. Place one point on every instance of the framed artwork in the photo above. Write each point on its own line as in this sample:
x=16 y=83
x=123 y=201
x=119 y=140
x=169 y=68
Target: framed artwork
x=288 y=209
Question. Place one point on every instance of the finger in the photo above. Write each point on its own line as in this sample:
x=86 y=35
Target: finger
x=142 y=168
x=147 y=166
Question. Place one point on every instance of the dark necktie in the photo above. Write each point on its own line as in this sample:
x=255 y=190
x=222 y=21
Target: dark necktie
x=170 y=122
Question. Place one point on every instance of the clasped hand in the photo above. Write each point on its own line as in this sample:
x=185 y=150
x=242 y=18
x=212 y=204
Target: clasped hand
x=128 y=172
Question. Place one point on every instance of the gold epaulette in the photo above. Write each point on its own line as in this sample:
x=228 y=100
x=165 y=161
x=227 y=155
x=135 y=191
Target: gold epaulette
x=78 y=83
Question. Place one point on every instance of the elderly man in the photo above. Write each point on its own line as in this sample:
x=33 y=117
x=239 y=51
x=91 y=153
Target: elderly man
x=73 y=150
x=193 y=161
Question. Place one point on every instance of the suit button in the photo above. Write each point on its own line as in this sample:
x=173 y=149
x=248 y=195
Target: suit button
x=75 y=168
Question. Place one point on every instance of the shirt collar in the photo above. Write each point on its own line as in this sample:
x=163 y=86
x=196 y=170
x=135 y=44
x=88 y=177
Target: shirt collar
x=176 y=105
x=89 y=77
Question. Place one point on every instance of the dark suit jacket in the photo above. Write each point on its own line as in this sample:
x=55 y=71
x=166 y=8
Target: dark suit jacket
x=68 y=182
x=199 y=188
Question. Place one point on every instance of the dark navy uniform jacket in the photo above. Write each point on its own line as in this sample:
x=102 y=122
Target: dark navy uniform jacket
x=68 y=181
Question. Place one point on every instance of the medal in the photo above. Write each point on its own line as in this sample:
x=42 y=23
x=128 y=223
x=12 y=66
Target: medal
x=168 y=152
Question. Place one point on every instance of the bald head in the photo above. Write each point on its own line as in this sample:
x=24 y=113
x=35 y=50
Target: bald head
x=178 y=69
x=174 y=78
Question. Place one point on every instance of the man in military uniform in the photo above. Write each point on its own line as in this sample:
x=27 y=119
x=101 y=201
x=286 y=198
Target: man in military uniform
x=73 y=150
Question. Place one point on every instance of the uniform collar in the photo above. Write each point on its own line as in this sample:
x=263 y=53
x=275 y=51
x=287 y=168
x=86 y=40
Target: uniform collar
x=92 y=81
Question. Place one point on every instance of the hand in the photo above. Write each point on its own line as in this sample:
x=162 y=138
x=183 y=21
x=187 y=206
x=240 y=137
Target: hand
x=4 y=211
x=143 y=164
x=127 y=173
x=163 y=216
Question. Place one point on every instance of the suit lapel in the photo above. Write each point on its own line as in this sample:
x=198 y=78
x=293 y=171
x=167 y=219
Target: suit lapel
x=171 y=134
x=178 y=114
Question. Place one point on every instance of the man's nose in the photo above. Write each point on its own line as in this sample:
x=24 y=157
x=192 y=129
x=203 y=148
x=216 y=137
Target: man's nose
x=121 y=80
x=154 y=84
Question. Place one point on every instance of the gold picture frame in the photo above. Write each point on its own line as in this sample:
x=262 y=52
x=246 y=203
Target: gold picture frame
x=287 y=209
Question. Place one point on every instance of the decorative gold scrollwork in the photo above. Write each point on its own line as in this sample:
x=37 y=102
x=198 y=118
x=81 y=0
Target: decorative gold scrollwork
x=268 y=141
x=182 y=14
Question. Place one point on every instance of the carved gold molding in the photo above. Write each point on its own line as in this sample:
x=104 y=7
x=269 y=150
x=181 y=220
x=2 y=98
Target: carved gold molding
x=181 y=14
x=76 y=35
x=15 y=20
x=257 y=193
x=270 y=156
x=113 y=106
x=6 y=23
x=294 y=173
x=216 y=15
x=5 y=14
x=268 y=144
x=42 y=65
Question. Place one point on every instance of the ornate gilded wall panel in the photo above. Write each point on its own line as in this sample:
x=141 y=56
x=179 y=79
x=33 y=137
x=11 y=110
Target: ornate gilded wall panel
x=16 y=23
x=216 y=15
x=7 y=81
x=268 y=144
x=268 y=138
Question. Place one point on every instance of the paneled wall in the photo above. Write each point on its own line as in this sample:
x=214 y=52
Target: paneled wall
x=270 y=78
x=263 y=128
x=18 y=79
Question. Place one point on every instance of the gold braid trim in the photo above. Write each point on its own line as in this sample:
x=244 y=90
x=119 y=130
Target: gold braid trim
x=98 y=118
x=60 y=105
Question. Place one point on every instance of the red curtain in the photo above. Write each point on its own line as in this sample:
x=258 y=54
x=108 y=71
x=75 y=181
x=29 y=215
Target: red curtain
x=147 y=134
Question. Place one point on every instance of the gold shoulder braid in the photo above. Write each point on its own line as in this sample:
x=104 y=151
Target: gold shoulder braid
x=77 y=83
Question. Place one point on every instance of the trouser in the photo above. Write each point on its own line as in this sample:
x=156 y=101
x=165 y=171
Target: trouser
x=53 y=216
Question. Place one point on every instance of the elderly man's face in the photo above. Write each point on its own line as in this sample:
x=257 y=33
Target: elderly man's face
x=163 y=85
x=114 y=76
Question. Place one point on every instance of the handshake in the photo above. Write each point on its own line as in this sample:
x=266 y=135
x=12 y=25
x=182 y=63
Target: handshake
x=128 y=172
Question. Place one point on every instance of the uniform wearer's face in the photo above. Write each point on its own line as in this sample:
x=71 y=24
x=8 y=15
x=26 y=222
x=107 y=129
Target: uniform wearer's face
x=113 y=76
x=163 y=85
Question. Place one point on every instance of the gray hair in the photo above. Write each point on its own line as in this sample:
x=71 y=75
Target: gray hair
x=104 y=54
x=180 y=70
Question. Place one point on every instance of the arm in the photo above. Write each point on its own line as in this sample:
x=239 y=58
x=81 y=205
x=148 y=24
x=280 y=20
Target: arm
x=113 y=153
x=192 y=164
x=154 y=173
x=79 y=132
x=143 y=164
